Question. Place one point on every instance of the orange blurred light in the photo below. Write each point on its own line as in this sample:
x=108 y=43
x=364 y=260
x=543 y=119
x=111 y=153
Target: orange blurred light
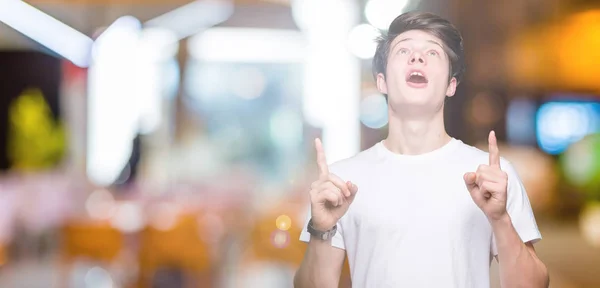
x=563 y=55
x=283 y=222
x=578 y=49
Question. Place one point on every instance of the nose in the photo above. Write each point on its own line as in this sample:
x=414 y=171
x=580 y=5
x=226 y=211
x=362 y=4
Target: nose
x=416 y=58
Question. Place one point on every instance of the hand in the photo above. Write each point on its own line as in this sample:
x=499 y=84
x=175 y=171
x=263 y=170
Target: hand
x=330 y=196
x=488 y=185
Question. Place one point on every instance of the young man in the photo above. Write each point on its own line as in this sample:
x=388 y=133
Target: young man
x=431 y=211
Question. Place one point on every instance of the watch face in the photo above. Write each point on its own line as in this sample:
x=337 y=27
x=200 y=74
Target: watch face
x=323 y=235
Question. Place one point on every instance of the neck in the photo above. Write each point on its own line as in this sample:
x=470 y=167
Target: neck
x=414 y=136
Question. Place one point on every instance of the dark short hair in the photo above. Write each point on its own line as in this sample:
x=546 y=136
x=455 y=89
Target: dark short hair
x=429 y=23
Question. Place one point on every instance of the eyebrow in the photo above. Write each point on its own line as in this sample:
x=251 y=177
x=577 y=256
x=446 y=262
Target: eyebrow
x=406 y=39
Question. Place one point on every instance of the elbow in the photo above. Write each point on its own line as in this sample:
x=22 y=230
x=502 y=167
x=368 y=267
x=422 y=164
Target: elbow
x=540 y=280
x=534 y=278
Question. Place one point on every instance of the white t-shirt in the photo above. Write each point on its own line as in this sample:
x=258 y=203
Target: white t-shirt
x=413 y=222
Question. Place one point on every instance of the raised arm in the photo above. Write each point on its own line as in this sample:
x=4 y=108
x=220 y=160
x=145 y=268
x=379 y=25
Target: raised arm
x=330 y=198
x=519 y=264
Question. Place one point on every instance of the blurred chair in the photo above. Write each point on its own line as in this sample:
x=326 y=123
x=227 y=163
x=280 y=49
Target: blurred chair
x=3 y=257
x=268 y=243
x=95 y=241
x=178 y=247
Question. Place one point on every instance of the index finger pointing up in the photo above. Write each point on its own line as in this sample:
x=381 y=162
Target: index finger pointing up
x=321 y=161
x=493 y=150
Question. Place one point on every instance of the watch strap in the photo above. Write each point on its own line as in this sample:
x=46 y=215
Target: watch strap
x=322 y=235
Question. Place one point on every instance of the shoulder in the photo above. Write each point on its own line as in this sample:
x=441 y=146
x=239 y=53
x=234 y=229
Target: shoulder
x=475 y=157
x=356 y=164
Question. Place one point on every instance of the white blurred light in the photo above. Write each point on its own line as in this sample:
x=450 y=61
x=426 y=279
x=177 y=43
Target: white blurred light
x=381 y=13
x=265 y=274
x=125 y=30
x=194 y=17
x=589 y=223
x=49 y=32
x=100 y=205
x=561 y=124
x=158 y=44
x=171 y=75
x=374 y=111
x=250 y=83
x=311 y=15
x=198 y=74
x=248 y=45
x=125 y=92
x=113 y=119
x=362 y=41
x=163 y=216
x=331 y=74
x=128 y=217
x=98 y=278
x=156 y=47
x=286 y=129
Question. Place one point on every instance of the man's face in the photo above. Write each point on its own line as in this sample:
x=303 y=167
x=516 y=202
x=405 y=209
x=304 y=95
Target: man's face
x=417 y=73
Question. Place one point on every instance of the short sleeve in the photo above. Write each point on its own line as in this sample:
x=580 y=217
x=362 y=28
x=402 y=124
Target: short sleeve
x=337 y=240
x=519 y=209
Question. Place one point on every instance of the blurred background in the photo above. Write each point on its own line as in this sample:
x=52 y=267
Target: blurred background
x=154 y=143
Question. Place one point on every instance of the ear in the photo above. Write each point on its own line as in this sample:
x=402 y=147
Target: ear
x=381 y=85
x=451 y=87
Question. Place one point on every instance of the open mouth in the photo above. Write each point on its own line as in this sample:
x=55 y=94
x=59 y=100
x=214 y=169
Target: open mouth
x=416 y=77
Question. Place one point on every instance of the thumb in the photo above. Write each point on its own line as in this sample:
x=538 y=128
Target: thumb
x=470 y=179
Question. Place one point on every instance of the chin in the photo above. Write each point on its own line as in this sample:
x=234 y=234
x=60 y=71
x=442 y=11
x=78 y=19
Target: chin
x=415 y=105
x=418 y=98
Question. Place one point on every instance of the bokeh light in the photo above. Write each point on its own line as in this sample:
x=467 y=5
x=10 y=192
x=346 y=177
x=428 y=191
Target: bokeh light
x=362 y=41
x=520 y=122
x=381 y=13
x=286 y=128
x=100 y=205
x=283 y=222
x=163 y=216
x=311 y=15
x=158 y=44
x=562 y=123
x=538 y=172
x=250 y=83
x=128 y=217
x=589 y=223
x=482 y=109
x=98 y=278
x=280 y=239
x=373 y=111
x=581 y=164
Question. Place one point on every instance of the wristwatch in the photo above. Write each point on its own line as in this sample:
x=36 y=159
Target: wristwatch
x=323 y=235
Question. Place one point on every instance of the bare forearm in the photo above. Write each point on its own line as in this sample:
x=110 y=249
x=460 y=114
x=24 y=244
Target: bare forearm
x=518 y=266
x=316 y=270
